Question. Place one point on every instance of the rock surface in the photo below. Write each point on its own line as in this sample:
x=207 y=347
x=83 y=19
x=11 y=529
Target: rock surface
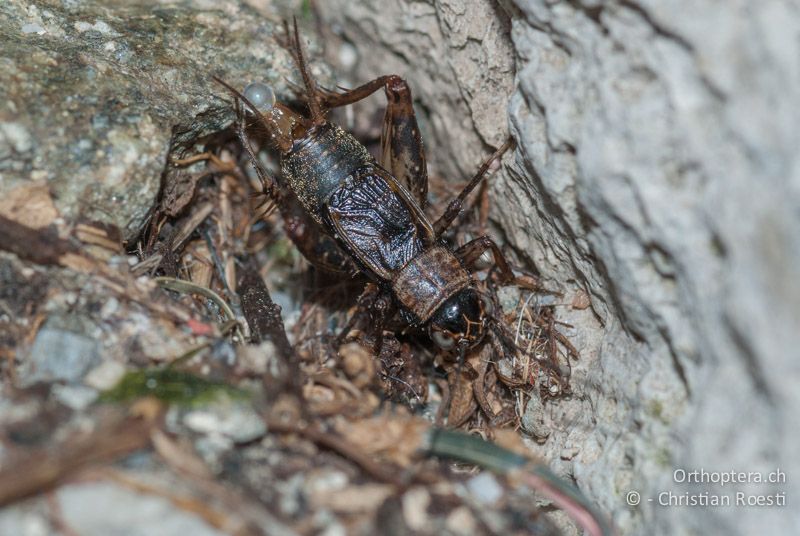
x=85 y=508
x=94 y=98
x=656 y=171
x=61 y=355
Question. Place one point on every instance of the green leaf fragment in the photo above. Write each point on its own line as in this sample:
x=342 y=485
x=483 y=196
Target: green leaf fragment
x=170 y=386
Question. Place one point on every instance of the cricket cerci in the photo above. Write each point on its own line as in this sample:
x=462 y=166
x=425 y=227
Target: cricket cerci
x=371 y=213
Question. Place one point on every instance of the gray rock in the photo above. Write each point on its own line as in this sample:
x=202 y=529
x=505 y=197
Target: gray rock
x=106 y=375
x=509 y=298
x=76 y=397
x=485 y=488
x=235 y=420
x=24 y=521
x=94 y=99
x=87 y=507
x=59 y=355
x=657 y=170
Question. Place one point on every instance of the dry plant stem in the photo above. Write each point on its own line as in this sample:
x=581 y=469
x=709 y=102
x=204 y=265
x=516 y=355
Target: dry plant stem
x=252 y=516
x=256 y=514
x=181 y=237
x=240 y=516
x=226 y=228
x=57 y=517
x=261 y=313
x=340 y=446
x=479 y=387
x=195 y=506
x=178 y=456
x=187 y=287
x=216 y=161
x=38 y=246
x=444 y=403
x=45 y=469
x=221 y=506
x=46 y=248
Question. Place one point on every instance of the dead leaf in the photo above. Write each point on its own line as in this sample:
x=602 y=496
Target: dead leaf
x=581 y=300
x=352 y=499
x=30 y=205
x=395 y=438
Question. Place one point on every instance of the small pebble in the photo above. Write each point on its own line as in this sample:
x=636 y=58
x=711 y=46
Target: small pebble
x=33 y=28
x=75 y=397
x=509 y=298
x=105 y=376
x=505 y=368
x=485 y=488
x=533 y=420
x=60 y=355
x=415 y=508
x=461 y=521
x=239 y=422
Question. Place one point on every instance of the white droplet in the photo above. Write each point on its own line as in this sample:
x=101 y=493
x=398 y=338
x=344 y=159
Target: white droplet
x=261 y=95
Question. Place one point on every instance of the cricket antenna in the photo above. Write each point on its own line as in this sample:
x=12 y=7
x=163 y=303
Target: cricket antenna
x=296 y=49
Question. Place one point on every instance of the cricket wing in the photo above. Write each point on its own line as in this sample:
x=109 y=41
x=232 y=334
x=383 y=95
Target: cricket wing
x=375 y=223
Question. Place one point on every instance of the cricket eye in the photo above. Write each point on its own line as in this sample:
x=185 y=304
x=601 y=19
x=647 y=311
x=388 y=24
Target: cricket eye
x=261 y=95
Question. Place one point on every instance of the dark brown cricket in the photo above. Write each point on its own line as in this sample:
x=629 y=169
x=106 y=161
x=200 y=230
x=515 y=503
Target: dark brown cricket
x=368 y=213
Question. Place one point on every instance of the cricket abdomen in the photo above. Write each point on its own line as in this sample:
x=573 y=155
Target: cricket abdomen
x=318 y=165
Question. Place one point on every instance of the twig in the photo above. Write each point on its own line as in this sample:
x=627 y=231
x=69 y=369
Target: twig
x=261 y=313
x=38 y=246
x=478 y=386
x=46 y=248
x=183 y=234
x=48 y=468
x=187 y=287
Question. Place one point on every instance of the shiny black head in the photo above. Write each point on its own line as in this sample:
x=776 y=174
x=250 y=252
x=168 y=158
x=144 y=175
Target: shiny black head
x=461 y=320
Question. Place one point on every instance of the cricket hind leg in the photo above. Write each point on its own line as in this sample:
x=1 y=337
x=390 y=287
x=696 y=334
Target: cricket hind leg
x=313 y=243
x=401 y=143
x=402 y=152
